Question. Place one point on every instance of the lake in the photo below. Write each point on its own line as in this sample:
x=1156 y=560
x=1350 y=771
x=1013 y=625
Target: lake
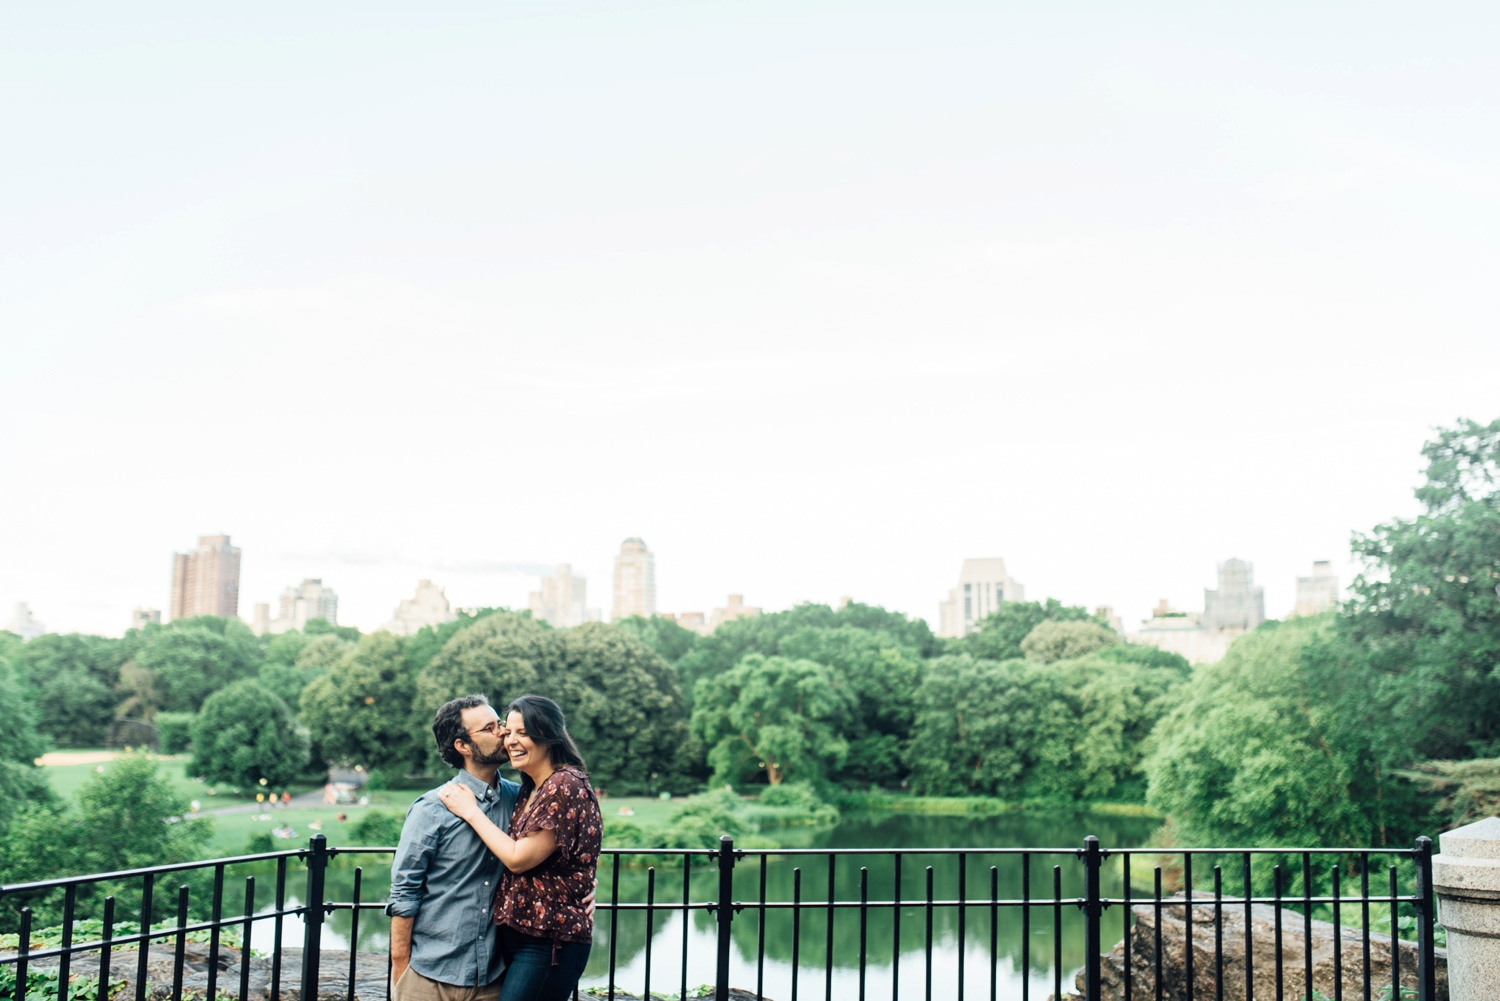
x=1027 y=957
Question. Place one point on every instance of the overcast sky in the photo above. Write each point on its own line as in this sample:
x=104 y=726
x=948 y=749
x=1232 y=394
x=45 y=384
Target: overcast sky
x=817 y=298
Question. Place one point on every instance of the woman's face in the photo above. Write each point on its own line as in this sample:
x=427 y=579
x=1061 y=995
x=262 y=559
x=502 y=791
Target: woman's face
x=524 y=752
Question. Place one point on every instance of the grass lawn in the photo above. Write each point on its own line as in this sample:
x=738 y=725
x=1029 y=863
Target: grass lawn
x=67 y=779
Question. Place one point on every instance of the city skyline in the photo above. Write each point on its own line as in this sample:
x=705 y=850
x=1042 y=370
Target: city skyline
x=567 y=588
x=818 y=302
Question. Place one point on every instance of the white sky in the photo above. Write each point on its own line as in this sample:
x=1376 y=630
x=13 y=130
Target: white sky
x=818 y=298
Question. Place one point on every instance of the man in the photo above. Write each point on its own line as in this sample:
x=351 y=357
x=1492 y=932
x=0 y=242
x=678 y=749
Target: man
x=443 y=880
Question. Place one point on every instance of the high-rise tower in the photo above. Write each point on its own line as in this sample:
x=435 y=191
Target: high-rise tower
x=206 y=581
x=635 y=581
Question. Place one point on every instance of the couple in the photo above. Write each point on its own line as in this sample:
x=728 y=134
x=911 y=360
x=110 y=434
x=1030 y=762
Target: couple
x=457 y=873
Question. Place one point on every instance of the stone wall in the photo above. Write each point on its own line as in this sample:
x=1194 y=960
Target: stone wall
x=1141 y=957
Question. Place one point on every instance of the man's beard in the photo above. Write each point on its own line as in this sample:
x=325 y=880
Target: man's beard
x=498 y=756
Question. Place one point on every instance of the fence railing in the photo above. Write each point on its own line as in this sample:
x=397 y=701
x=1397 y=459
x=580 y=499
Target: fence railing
x=859 y=923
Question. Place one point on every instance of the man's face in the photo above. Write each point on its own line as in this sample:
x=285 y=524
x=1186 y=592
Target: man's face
x=485 y=736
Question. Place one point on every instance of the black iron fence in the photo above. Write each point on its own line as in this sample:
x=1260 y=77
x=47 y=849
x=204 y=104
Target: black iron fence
x=794 y=924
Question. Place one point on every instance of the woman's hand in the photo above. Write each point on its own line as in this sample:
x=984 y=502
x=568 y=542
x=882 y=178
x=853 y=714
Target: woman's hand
x=459 y=799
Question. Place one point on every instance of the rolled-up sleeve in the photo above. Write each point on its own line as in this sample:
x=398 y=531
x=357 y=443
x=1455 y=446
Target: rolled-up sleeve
x=409 y=870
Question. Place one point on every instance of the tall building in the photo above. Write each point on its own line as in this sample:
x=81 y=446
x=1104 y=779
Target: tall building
x=563 y=599
x=140 y=618
x=23 y=623
x=1237 y=603
x=206 y=581
x=1319 y=592
x=635 y=581
x=428 y=607
x=308 y=600
x=734 y=608
x=983 y=585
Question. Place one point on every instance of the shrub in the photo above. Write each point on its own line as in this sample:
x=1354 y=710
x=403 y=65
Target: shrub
x=173 y=732
x=377 y=829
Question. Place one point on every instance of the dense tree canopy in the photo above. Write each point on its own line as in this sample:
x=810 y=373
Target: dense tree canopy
x=21 y=782
x=243 y=734
x=194 y=658
x=360 y=712
x=1001 y=633
x=1426 y=608
x=1052 y=641
x=773 y=716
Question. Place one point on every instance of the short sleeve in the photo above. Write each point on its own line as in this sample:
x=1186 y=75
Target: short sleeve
x=559 y=809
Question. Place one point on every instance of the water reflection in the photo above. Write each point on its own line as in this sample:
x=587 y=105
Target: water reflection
x=820 y=952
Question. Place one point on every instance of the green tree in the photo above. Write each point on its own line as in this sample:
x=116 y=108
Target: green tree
x=764 y=634
x=21 y=781
x=1426 y=609
x=881 y=674
x=1262 y=749
x=360 y=713
x=1001 y=633
x=623 y=706
x=314 y=657
x=1053 y=641
x=322 y=627
x=773 y=715
x=127 y=817
x=73 y=677
x=243 y=734
x=671 y=641
x=197 y=657
x=430 y=640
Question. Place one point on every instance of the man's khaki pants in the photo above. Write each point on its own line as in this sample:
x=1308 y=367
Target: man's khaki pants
x=414 y=987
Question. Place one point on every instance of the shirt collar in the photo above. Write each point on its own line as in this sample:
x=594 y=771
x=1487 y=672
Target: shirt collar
x=481 y=790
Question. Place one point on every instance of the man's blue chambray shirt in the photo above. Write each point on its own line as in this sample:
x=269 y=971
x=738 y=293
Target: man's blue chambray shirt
x=445 y=879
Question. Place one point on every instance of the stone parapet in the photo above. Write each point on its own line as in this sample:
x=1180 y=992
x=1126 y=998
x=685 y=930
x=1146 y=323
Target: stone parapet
x=1466 y=878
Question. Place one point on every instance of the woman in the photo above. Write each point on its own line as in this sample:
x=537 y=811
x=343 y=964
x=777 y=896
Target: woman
x=550 y=855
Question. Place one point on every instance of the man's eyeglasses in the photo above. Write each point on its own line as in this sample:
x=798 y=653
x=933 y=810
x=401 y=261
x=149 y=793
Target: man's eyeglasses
x=494 y=728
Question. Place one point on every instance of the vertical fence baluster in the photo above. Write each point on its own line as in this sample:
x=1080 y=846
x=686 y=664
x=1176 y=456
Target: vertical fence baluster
x=614 y=923
x=276 y=926
x=1156 y=908
x=1364 y=917
x=1218 y=933
x=1093 y=917
x=828 y=941
x=994 y=932
x=1426 y=924
x=963 y=872
x=796 y=929
x=1395 y=937
x=1025 y=924
x=864 y=916
x=927 y=938
x=23 y=951
x=1307 y=958
x=148 y=883
x=182 y=920
x=760 y=933
x=359 y=872
x=1249 y=935
x=1280 y=980
x=1187 y=918
x=726 y=916
x=245 y=939
x=1126 y=917
x=313 y=915
x=687 y=914
x=65 y=961
x=896 y=926
x=106 y=949
x=1057 y=931
x=1336 y=886
x=216 y=912
x=650 y=924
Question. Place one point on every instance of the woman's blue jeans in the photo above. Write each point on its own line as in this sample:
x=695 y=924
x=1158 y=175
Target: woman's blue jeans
x=529 y=973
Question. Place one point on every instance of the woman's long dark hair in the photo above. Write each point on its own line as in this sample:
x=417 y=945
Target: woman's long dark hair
x=545 y=725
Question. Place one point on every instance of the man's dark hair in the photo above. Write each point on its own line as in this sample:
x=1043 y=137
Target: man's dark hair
x=448 y=726
x=546 y=726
